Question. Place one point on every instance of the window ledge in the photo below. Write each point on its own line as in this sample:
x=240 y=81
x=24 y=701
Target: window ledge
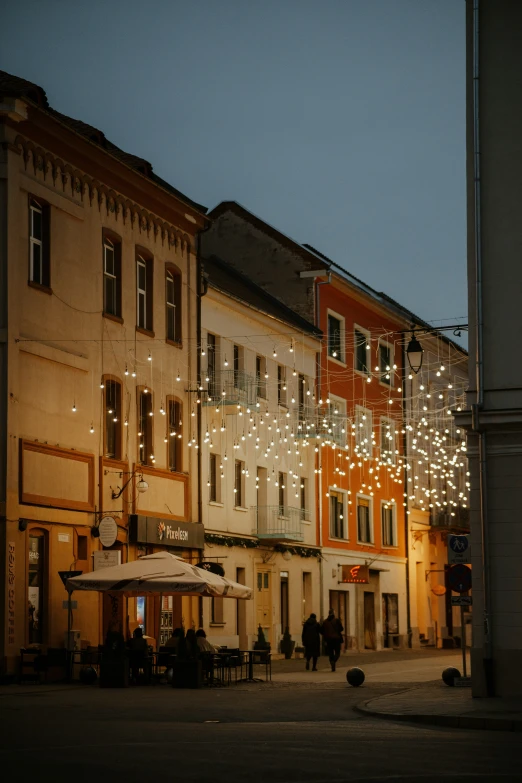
x=174 y=343
x=332 y=538
x=336 y=361
x=147 y=332
x=216 y=503
x=116 y=318
x=361 y=373
x=365 y=543
x=240 y=508
x=217 y=625
x=45 y=289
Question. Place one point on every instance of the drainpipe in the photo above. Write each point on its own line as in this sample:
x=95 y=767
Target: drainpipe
x=319 y=462
x=479 y=363
x=200 y=292
x=407 y=507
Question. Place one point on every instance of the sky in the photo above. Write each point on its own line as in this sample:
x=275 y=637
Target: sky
x=339 y=122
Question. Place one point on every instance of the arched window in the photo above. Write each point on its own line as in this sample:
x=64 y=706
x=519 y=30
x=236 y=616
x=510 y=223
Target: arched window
x=145 y=427
x=112 y=418
x=173 y=304
x=174 y=434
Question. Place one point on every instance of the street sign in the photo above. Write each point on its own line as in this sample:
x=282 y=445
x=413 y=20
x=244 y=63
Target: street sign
x=461 y=600
x=459 y=550
x=459 y=578
x=65 y=575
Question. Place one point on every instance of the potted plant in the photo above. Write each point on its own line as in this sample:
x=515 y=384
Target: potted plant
x=261 y=643
x=287 y=644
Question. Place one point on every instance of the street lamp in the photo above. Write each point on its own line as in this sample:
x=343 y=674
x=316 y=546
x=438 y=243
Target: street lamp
x=414 y=352
x=141 y=485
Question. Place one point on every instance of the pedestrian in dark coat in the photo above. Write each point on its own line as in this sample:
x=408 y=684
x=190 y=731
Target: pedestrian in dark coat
x=311 y=638
x=332 y=630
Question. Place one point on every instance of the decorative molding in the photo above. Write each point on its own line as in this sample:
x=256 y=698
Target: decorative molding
x=28 y=498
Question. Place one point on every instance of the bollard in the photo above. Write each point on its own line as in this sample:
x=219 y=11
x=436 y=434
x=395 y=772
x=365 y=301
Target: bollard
x=449 y=675
x=355 y=677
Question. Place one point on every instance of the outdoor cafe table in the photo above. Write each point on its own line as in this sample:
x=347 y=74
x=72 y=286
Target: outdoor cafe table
x=263 y=657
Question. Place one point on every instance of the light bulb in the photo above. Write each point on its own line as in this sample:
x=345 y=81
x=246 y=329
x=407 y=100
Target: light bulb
x=74 y=407
x=149 y=359
x=225 y=362
x=126 y=370
x=177 y=377
x=102 y=385
x=133 y=373
x=92 y=428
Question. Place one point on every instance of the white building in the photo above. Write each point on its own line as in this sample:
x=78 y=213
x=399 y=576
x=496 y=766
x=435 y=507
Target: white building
x=258 y=479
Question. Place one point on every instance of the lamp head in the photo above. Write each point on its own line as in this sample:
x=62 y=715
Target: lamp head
x=415 y=353
x=142 y=485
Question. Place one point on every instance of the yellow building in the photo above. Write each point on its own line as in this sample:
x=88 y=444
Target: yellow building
x=98 y=373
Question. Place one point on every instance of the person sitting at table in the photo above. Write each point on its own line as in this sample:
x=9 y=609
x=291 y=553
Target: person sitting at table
x=138 y=654
x=203 y=643
x=173 y=642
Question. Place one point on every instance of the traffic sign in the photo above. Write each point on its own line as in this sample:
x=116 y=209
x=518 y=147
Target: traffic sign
x=459 y=578
x=459 y=550
x=461 y=600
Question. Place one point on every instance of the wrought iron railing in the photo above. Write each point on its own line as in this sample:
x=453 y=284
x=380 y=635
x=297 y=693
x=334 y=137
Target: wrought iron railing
x=231 y=387
x=279 y=522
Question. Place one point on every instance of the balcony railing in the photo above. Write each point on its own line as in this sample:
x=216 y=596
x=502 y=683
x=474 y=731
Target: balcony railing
x=279 y=523
x=231 y=387
x=444 y=519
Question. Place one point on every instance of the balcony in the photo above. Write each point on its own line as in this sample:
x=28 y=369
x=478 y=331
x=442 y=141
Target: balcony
x=279 y=523
x=444 y=519
x=232 y=387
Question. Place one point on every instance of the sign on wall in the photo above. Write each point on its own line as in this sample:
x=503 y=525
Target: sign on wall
x=11 y=604
x=108 y=530
x=106 y=559
x=357 y=574
x=459 y=550
x=153 y=530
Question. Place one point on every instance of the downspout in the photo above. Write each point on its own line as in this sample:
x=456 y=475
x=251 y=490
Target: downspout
x=406 y=495
x=199 y=293
x=479 y=363
x=318 y=463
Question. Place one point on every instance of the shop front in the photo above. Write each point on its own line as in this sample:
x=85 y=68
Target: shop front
x=159 y=615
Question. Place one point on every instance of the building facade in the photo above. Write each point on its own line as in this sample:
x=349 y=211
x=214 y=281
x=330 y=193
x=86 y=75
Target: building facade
x=97 y=368
x=259 y=363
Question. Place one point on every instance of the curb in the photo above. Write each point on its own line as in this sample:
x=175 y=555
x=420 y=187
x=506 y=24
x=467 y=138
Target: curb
x=451 y=721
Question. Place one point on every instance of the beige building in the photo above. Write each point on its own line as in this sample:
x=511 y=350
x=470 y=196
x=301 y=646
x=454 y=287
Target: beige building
x=258 y=471
x=98 y=373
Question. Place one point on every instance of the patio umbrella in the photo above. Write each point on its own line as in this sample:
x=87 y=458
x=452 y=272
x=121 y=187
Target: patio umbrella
x=162 y=573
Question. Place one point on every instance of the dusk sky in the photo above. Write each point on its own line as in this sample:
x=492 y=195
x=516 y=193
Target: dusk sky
x=341 y=122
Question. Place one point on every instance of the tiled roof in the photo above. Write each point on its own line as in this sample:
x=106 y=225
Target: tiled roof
x=16 y=87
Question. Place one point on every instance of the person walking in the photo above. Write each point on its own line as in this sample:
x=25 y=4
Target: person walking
x=332 y=630
x=311 y=638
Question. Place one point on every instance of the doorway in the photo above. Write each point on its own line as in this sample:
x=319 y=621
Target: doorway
x=284 y=601
x=369 y=621
x=241 y=613
x=264 y=602
x=390 y=618
x=339 y=603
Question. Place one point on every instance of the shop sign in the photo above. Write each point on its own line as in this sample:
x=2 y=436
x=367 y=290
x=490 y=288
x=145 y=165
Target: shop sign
x=357 y=574
x=106 y=559
x=108 y=530
x=11 y=607
x=152 y=530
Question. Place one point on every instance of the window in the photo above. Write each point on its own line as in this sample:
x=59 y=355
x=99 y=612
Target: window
x=112 y=429
x=337 y=526
x=212 y=365
x=364 y=521
x=239 y=484
x=281 y=487
x=336 y=422
x=145 y=430
x=111 y=275
x=302 y=498
x=144 y=292
x=387 y=427
x=217 y=614
x=362 y=360
x=35 y=587
x=363 y=431
x=82 y=548
x=174 y=434
x=39 y=243
x=389 y=528
x=214 y=479
x=335 y=337
x=261 y=375
x=238 y=366
x=281 y=385
x=301 y=396
x=385 y=363
x=173 y=304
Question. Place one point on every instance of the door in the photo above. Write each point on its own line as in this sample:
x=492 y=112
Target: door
x=264 y=602
x=339 y=603
x=284 y=602
x=241 y=613
x=369 y=621
x=390 y=617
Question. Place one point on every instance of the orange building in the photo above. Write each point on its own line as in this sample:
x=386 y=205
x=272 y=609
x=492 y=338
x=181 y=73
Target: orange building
x=360 y=473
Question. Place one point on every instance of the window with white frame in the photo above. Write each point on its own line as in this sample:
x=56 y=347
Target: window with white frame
x=212 y=365
x=385 y=363
x=214 y=479
x=303 y=498
x=337 y=514
x=387 y=440
x=363 y=431
x=144 y=292
x=389 y=524
x=111 y=277
x=361 y=351
x=261 y=376
x=281 y=384
x=239 y=484
x=335 y=347
x=173 y=303
x=39 y=242
x=337 y=420
x=364 y=520
x=282 y=492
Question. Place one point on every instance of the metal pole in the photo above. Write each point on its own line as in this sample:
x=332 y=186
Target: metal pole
x=463 y=641
x=69 y=626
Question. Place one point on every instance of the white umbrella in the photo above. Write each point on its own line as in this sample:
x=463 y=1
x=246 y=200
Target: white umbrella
x=162 y=573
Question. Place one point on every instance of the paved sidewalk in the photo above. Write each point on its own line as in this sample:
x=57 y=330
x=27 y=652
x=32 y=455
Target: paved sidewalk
x=438 y=704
